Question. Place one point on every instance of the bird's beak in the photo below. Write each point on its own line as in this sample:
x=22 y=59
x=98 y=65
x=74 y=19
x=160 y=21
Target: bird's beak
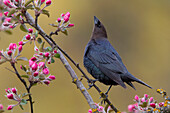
x=96 y=20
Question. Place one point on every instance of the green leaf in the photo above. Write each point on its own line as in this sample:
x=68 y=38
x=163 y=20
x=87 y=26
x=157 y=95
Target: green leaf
x=25 y=95
x=1 y=111
x=23 y=102
x=45 y=12
x=106 y=107
x=23 y=28
x=36 y=34
x=18 y=16
x=37 y=8
x=47 y=49
x=24 y=68
x=39 y=40
x=64 y=31
x=8 y=32
x=30 y=7
x=57 y=55
x=21 y=107
x=54 y=25
x=52 y=60
x=28 y=2
x=22 y=59
x=41 y=47
x=144 y=104
x=11 y=12
x=25 y=76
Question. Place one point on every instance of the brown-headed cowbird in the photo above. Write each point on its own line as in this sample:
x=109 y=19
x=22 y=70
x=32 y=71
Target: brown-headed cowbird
x=103 y=62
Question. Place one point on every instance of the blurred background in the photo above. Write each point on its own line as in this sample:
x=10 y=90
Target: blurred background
x=138 y=30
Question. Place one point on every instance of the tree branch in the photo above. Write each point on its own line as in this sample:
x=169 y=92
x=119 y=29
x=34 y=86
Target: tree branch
x=78 y=83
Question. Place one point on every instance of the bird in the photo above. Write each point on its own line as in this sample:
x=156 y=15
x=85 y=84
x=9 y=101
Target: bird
x=103 y=62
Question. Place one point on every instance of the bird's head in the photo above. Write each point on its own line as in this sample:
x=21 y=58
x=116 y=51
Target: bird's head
x=98 y=30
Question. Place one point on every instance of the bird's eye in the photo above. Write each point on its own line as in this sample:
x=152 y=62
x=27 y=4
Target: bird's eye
x=98 y=24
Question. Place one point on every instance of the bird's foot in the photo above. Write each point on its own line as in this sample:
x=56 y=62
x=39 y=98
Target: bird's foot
x=104 y=96
x=91 y=83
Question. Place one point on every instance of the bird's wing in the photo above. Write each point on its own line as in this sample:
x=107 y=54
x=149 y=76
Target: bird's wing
x=108 y=63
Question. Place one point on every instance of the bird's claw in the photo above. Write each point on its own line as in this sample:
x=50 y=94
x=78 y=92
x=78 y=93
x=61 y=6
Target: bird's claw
x=104 y=96
x=91 y=83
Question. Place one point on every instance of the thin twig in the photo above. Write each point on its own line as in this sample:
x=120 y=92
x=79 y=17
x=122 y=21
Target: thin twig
x=25 y=84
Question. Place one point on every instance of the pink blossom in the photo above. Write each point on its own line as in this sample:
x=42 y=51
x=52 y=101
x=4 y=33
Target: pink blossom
x=6 y=2
x=151 y=100
x=161 y=104
x=10 y=96
x=42 y=1
x=10 y=107
x=66 y=19
x=34 y=66
x=33 y=58
x=100 y=108
x=6 y=13
x=131 y=108
x=62 y=15
x=55 y=51
x=153 y=105
x=14 y=90
x=144 y=100
x=137 y=98
x=52 y=77
x=46 y=82
x=28 y=37
x=31 y=62
x=48 y=2
x=11 y=26
x=40 y=53
x=90 y=111
x=8 y=19
x=47 y=54
x=70 y=25
x=12 y=46
x=46 y=71
x=41 y=65
x=9 y=52
x=1 y=107
x=67 y=14
x=59 y=20
x=21 y=43
x=35 y=74
x=20 y=48
x=30 y=30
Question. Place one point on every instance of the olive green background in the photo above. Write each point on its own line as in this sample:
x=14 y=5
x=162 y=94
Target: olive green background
x=138 y=29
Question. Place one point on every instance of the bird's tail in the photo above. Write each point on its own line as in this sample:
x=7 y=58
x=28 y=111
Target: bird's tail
x=130 y=78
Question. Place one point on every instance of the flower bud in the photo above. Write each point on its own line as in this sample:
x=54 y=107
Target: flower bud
x=10 y=107
x=8 y=19
x=146 y=96
x=55 y=51
x=6 y=2
x=52 y=77
x=0 y=53
x=161 y=104
x=6 y=13
x=1 y=107
x=16 y=0
x=14 y=90
x=21 y=43
x=35 y=74
x=59 y=20
x=47 y=54
x=34 y=66
x=66 y=19
x=67 y=14
x=11 y=26
x=151 y=100
x=10 y=96
x=137 y=98
x=28 y=37
x=46 y=82
x=31 y=62
x=41 y=65
x=20 y=48
x=40 y=53
x=131 y=108
x=46 y=71
x=30 y=30
x=48 y=2
x=153 y=105
x=9 y=52
x=42 y=1
x=33 y=58
x=12 y=46
x=70 y=25
x=90 y=111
